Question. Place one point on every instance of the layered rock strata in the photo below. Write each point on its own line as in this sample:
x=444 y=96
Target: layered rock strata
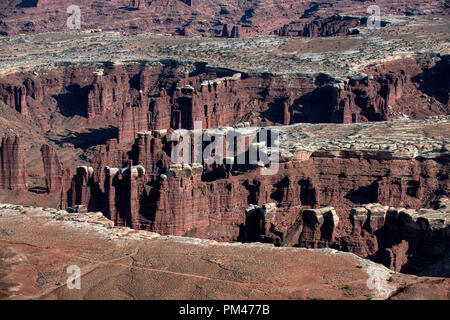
x=331 y=26
x=402 y=239
x=58 y=179
x=12 y=164
x=142 y=101
x=236 y=203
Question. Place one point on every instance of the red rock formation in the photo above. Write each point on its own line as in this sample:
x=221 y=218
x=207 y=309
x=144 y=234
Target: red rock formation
x=326 y=27
x=367 y=98
x=150 y=153
x=318 y=228
x=110 y=154
x=402 y=239
x=227 y=34
x=222 y=101
x=211 y=200
x=136 y=186
x=136 y=4
x=15 y=97
x=132 y=120
x=53 y=168
x=12 y=164
x=314 y=182
x=220 y=97
x=81 y=187
x=390 y=90
x=57 y=178
x=253 y=267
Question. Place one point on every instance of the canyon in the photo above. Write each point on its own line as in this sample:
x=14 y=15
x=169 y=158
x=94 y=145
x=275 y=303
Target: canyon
x=132 y=180
x=235 y=203
x=357 y=121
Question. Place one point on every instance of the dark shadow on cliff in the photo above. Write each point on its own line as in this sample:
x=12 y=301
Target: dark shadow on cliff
x=149 y=201
x=253 y=189
x=135 y=82
x=422 y=250
x=413 y=253
x=313 y=7
x=251 y=230
x=275 y=113
x=97 y=201
x=435 y=81
x=128 y=8
x=366 y=194
x=217 y=172
x=308 y=194
x=93 y=137
x=313 y=107
x=74 y=101
x=38 y=190
x=28 y=4
x=280 y=190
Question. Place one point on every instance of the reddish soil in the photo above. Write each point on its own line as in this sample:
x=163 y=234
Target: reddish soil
x=36 y=249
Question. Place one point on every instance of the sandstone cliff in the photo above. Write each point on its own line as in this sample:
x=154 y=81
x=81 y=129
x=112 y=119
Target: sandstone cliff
x=143 y=101
x=331 y=26
x=57 y=178
x=238 y=204
x=12 y=164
